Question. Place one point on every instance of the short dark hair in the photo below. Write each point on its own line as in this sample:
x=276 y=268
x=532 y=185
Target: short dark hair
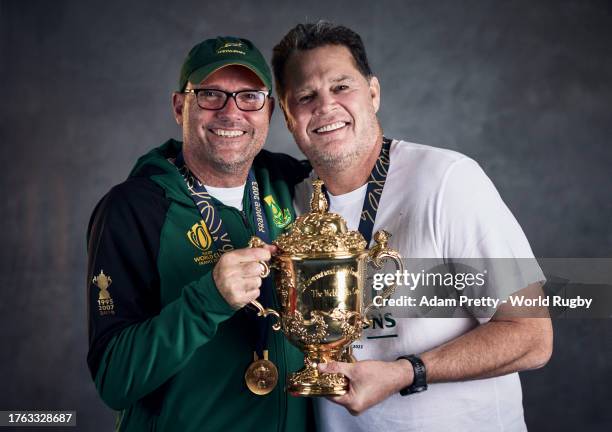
x=308 y=36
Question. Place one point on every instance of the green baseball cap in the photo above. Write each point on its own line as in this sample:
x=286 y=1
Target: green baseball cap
x=213 y=54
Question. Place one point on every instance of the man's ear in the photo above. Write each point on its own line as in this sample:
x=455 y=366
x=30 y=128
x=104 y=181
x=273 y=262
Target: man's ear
x=178 y=104
x=272 y=105
x=287 y=118
x=375 y=93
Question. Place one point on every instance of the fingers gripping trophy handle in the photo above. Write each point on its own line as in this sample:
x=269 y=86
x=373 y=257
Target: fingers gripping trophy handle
x=262 y=311
x=377 y=255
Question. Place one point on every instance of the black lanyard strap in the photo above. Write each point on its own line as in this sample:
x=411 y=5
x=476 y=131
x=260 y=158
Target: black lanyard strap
x=376 y=183
x=210 y=213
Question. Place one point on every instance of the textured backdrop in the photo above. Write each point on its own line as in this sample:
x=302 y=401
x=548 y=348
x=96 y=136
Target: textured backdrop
x=524 y=87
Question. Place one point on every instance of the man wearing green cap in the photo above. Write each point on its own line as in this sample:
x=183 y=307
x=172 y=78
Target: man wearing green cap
x=172 y=345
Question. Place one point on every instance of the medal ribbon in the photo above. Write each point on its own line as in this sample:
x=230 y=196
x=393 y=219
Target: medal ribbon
x=214 y=224
x=376 y=183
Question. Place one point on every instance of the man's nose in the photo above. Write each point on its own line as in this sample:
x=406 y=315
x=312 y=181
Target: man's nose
x=326 y=102
x=230 y=110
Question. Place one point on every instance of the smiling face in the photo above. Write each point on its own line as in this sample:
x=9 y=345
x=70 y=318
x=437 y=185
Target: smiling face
x=222 y=143
x=330 y=107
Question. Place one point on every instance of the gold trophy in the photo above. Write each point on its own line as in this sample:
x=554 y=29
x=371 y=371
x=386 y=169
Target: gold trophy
x=320 y=272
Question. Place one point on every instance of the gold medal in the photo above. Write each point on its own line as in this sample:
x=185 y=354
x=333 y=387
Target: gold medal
x=261 y=376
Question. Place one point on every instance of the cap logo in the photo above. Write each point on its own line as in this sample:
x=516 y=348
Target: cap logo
x=231 y=48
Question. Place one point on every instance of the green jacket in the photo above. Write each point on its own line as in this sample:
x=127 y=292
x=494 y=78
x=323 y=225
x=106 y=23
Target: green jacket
x=166 y=350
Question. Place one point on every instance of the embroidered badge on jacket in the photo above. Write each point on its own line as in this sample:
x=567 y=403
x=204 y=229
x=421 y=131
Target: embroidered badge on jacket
x=105 y=301
x=281 y=218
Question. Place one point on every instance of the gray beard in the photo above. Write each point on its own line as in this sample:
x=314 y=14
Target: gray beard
x=335 y=162
x=231 y=167
x=329 y=162
x=221 y=165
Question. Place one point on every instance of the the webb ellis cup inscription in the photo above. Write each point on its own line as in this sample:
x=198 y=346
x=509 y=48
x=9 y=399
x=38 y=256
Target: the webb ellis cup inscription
x=320 y=272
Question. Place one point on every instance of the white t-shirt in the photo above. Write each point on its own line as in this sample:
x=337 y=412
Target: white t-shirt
x=231 y=197
x=436 y=203
x=349 y=205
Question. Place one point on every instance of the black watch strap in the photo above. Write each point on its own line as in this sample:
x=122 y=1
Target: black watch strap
x=419 y=383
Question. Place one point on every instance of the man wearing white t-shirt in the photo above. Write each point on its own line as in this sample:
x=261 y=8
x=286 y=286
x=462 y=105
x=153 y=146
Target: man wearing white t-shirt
x=437 y=204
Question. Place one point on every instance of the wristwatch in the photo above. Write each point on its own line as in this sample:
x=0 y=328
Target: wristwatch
x=419 y=383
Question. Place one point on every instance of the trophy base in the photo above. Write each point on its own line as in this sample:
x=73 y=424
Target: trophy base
x=310 y=382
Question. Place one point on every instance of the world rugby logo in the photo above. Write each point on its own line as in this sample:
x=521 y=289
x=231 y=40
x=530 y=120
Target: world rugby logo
x=199 y=236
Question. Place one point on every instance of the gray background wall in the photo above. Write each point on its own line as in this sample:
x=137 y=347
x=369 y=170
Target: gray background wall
x=524 y=87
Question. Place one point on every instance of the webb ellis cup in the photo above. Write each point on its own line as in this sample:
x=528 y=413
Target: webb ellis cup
x=320 y=273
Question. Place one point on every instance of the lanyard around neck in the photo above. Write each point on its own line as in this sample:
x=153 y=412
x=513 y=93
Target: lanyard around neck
x=214 y=224
x=376 y=183
x=210 y=214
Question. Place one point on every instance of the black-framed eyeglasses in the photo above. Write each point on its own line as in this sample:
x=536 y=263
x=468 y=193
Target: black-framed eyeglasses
x=213 y=99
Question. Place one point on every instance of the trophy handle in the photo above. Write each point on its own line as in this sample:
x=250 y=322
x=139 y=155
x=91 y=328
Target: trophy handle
x=376 y=255
x=262 y=311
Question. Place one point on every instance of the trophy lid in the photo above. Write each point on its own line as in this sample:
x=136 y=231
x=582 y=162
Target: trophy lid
x=320 y=232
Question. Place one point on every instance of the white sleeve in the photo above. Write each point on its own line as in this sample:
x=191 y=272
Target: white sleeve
x=472 y=222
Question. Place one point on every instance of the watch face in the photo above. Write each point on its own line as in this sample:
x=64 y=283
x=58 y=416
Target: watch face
x=419 y=382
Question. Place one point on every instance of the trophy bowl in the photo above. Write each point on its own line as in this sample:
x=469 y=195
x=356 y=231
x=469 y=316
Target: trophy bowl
x=320 y=273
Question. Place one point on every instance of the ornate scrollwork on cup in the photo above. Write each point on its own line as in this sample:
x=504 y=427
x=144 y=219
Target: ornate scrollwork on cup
x=311 y=375
x=320 y=231
x=350 y=322
x=284 y=282
x=308 y=332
